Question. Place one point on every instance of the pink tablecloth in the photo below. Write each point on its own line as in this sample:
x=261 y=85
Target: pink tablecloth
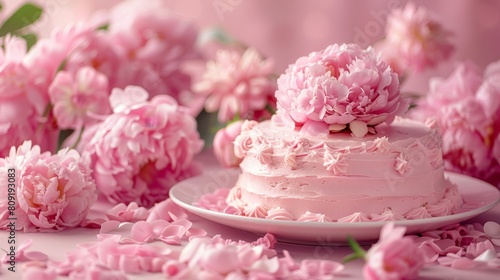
x=57 y=244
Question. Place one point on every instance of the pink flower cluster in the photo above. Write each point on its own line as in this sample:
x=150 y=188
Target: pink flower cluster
x=64 y=81
x=238 y=84
x=466 y=106
x=339 y=86
x=414 y=40
x=52 y=192
x=141 y=150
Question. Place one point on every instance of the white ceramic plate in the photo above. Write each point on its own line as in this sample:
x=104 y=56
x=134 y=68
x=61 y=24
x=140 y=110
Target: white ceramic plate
x=478 y=196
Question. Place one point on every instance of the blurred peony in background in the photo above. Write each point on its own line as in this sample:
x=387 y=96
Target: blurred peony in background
x=287 y=29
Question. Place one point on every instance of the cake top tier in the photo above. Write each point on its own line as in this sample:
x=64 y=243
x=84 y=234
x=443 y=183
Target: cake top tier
x=342 y=86
x=403 y=146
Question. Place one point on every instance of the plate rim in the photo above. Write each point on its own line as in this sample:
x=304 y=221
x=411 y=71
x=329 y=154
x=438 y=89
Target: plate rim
x=332 y=225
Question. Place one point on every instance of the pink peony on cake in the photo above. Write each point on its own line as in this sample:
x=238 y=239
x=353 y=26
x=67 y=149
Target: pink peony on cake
x=336 y=149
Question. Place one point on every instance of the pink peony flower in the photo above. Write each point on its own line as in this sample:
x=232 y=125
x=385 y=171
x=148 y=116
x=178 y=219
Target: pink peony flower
x=95 y=50
x=224 y=145
x=237 y=85
x=393 y=256
x=141 y=150
x=75 y=98
x=414 y=40
x=22 y=101
x=53 y=192
x=337 y=86
x=155 y=47
x=467 y=112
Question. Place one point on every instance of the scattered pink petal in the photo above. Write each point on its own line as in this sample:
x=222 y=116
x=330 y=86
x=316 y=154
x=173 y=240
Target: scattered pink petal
x=321 y=267
x=159 y=226
x=215 y=201
x=270 y=266
x=173 y=230
x=142 y=232
x=486 y=256
x=456 y=261
x=476 y=249
x=492 y=229
x=166 y=210
x=109 y=226
x=196 y=232
x=127 y=213
x=171 y=239
x=93 y=223
x=37 y=272
x=23 y=256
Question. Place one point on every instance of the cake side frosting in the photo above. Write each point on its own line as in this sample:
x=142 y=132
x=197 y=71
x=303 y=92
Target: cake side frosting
x=394 y=172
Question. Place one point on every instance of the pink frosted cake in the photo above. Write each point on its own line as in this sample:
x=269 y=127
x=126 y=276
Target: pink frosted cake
x=336 y=149
x=393 y=175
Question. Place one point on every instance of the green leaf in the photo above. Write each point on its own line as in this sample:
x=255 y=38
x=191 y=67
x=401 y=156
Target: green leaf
x=1 y=7
x=104 y=27
x=63 y=135
x=62 y=66
x=30 y=38
x=270 y=109
x=358 y=251
x=23 y=17
x=350 y=257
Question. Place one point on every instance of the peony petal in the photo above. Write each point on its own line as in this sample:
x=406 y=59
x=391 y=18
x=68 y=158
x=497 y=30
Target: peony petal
x=486 y=256
x=313 y=128
x=358 y=128
x=36 y=256
x=120 y=100
x=492 y=229
x=142 y=232
x=196 y=232
x=109 y=226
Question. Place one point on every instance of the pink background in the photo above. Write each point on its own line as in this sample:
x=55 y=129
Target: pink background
x=287 y=29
